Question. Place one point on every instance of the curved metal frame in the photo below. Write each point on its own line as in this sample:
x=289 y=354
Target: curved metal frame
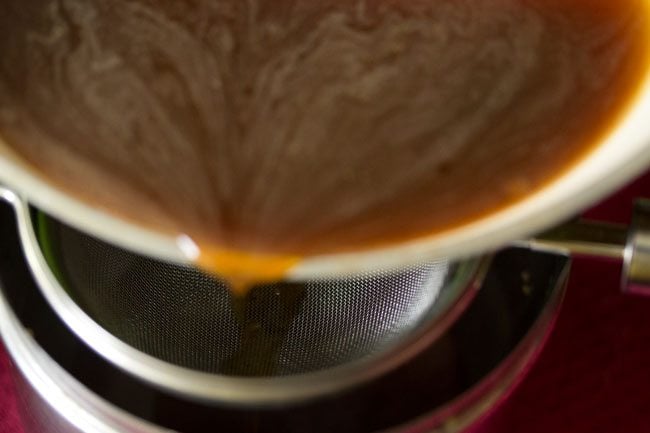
x=91 y=413
x=234 y=390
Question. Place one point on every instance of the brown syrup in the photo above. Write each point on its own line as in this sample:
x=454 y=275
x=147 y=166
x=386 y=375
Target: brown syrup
x=271 y=130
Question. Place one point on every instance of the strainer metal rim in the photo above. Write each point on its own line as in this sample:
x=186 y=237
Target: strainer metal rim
x=234 y=390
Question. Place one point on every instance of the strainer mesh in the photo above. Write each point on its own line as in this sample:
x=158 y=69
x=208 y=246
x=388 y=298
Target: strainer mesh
x=185 y=317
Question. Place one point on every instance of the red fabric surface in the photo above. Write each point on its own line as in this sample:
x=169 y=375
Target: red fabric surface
x=9 y=421
x=593 y=375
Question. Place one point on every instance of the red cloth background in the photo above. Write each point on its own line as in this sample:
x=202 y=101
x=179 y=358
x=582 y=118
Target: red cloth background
x=593 y=375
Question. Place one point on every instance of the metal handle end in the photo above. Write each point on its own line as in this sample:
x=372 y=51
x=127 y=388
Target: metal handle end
x=636 y=265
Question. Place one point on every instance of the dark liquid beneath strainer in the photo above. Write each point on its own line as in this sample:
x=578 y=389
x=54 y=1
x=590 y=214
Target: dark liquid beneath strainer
x=307 y=127
x=265 y=315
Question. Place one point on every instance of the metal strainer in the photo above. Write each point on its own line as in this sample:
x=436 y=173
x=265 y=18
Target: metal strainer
x=181 y=330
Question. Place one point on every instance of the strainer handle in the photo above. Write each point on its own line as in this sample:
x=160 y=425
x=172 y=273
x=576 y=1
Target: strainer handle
x=630 y=244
